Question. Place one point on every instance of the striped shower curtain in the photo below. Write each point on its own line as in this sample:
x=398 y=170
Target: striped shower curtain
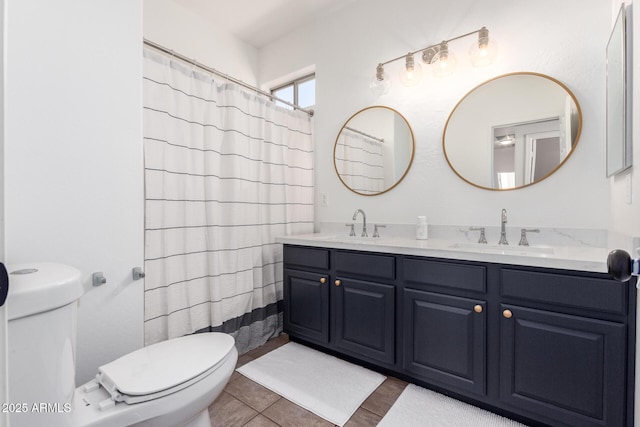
x=359 y=162
x=226 y=171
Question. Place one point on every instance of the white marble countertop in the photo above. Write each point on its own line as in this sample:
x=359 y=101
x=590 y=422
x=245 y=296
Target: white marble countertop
x=561 y=257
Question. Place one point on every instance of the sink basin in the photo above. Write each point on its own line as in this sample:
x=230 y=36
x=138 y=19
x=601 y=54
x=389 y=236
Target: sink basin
x=503 y=249
x=346 y=239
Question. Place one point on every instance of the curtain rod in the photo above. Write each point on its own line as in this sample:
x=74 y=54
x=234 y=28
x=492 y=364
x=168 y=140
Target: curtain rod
x=365 y=134
x=224 y=76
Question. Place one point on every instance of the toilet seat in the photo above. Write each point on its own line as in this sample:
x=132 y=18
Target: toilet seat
x=162 y=368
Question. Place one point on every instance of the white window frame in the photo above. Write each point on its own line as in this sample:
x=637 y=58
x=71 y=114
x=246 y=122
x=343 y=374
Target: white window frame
x=295 y=83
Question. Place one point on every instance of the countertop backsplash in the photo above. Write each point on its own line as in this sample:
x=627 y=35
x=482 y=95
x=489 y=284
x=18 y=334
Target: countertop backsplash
x=547 y=236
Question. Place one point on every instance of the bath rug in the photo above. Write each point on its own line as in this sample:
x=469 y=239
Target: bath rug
x=417 y=406
x=325 y=385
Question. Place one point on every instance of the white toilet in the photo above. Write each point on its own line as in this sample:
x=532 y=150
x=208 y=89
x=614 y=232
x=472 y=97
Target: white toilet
x=171 y=383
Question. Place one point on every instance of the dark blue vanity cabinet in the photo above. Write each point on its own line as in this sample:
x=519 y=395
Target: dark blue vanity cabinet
x=306 y=293
x=445 y=335
x=564 y=346
x=543 y=346
x=363 y=304
x=342 y=299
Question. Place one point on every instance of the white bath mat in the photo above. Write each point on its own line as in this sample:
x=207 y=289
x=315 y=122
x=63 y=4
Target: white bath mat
x=325 y=385
x=417 y=406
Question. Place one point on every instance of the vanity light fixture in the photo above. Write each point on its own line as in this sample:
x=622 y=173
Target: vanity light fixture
x=441 y=60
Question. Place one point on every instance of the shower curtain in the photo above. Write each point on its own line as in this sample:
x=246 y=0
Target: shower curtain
x=359 y=162
x=226 y=171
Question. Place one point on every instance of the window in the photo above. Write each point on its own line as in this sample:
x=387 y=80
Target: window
x=301 y=92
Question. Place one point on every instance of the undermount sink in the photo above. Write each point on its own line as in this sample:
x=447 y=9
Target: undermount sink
x=347 y=239
x=503 y=249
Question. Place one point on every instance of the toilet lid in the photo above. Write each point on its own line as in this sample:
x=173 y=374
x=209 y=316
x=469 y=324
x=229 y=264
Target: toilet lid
x=164 y=365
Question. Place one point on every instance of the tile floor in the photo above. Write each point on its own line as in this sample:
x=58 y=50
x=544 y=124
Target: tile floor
x=246 y=403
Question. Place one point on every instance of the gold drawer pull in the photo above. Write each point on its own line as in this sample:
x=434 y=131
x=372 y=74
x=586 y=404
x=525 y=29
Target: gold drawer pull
x=323 y=280
x=477 y=308
x=338 y=282
x=507 y=314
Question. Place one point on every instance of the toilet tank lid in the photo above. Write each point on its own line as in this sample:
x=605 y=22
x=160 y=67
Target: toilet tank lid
x=41 y=286
x=166 y=364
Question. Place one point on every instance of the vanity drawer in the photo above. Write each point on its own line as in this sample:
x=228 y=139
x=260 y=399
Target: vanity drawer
x=378 y=266
x=447 y=274
x=564 y=290
x=300 y=256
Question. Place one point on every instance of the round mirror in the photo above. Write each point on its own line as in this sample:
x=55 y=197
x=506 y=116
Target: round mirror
x=512 y=131
x=373 y=150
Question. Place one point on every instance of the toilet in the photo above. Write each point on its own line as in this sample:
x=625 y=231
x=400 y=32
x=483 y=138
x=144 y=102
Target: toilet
x=171 y=383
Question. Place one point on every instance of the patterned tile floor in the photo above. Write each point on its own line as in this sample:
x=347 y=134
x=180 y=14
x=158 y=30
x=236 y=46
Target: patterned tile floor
x=246 y=403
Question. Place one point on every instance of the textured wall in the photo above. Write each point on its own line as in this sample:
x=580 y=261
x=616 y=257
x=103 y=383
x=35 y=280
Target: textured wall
x=567 y=44
x=175 y=27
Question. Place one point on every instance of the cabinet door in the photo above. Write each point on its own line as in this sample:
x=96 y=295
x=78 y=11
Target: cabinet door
x=445 y=340
x=568 y=368
x=306 y=305
x=365 y=319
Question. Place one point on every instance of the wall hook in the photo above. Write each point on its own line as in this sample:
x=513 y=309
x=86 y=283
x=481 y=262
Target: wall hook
x=98 y=278
x=137 y=273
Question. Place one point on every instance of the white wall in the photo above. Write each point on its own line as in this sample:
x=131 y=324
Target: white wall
x=625 y=216
x=567 y=44
x=175 y=27
x=73 y=157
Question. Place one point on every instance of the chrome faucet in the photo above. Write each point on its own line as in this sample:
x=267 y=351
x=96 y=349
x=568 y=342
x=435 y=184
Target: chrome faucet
x=364 y=222
x=503 y=232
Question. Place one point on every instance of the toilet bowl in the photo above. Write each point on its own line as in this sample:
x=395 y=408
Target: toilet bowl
x=171 y=383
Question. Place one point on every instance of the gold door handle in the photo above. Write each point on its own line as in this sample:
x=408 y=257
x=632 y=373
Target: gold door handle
x=323 y=280
x=338 y=282
x=477 y=308
x=507 y=314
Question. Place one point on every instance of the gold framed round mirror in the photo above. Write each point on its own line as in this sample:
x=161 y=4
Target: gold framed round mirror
x=373 y=150
x=512 y=131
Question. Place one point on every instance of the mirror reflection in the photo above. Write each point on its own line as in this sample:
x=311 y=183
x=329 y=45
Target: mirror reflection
x=373 y=150
x=512 y=131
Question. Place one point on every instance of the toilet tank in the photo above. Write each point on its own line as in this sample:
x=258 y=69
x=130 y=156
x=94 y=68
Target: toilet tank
x=42 y=310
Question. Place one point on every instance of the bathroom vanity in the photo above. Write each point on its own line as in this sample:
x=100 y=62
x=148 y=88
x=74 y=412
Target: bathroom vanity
x=510 y=332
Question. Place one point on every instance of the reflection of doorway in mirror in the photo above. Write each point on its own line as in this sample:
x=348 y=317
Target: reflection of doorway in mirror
x=523 y=153
x=542 y=155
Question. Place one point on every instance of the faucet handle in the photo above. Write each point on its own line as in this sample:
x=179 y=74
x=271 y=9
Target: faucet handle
x=523 y=235
x=375 y=229
x=352 y=233
x=483 y=237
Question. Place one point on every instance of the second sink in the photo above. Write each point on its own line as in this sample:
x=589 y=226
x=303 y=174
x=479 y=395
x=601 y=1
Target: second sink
x=503 y=249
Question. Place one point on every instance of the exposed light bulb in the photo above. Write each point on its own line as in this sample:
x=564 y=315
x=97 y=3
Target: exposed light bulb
x=411 y=74
x=380 y=83
x=445 y=62
x=484 y=50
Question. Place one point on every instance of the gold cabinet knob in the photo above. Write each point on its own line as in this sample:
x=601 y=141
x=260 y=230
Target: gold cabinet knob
x=323 y=280
x=338 y=282
x=477 y=308
x=507 y=314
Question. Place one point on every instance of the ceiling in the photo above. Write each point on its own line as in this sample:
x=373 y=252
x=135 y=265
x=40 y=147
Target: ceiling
x=259 y=22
